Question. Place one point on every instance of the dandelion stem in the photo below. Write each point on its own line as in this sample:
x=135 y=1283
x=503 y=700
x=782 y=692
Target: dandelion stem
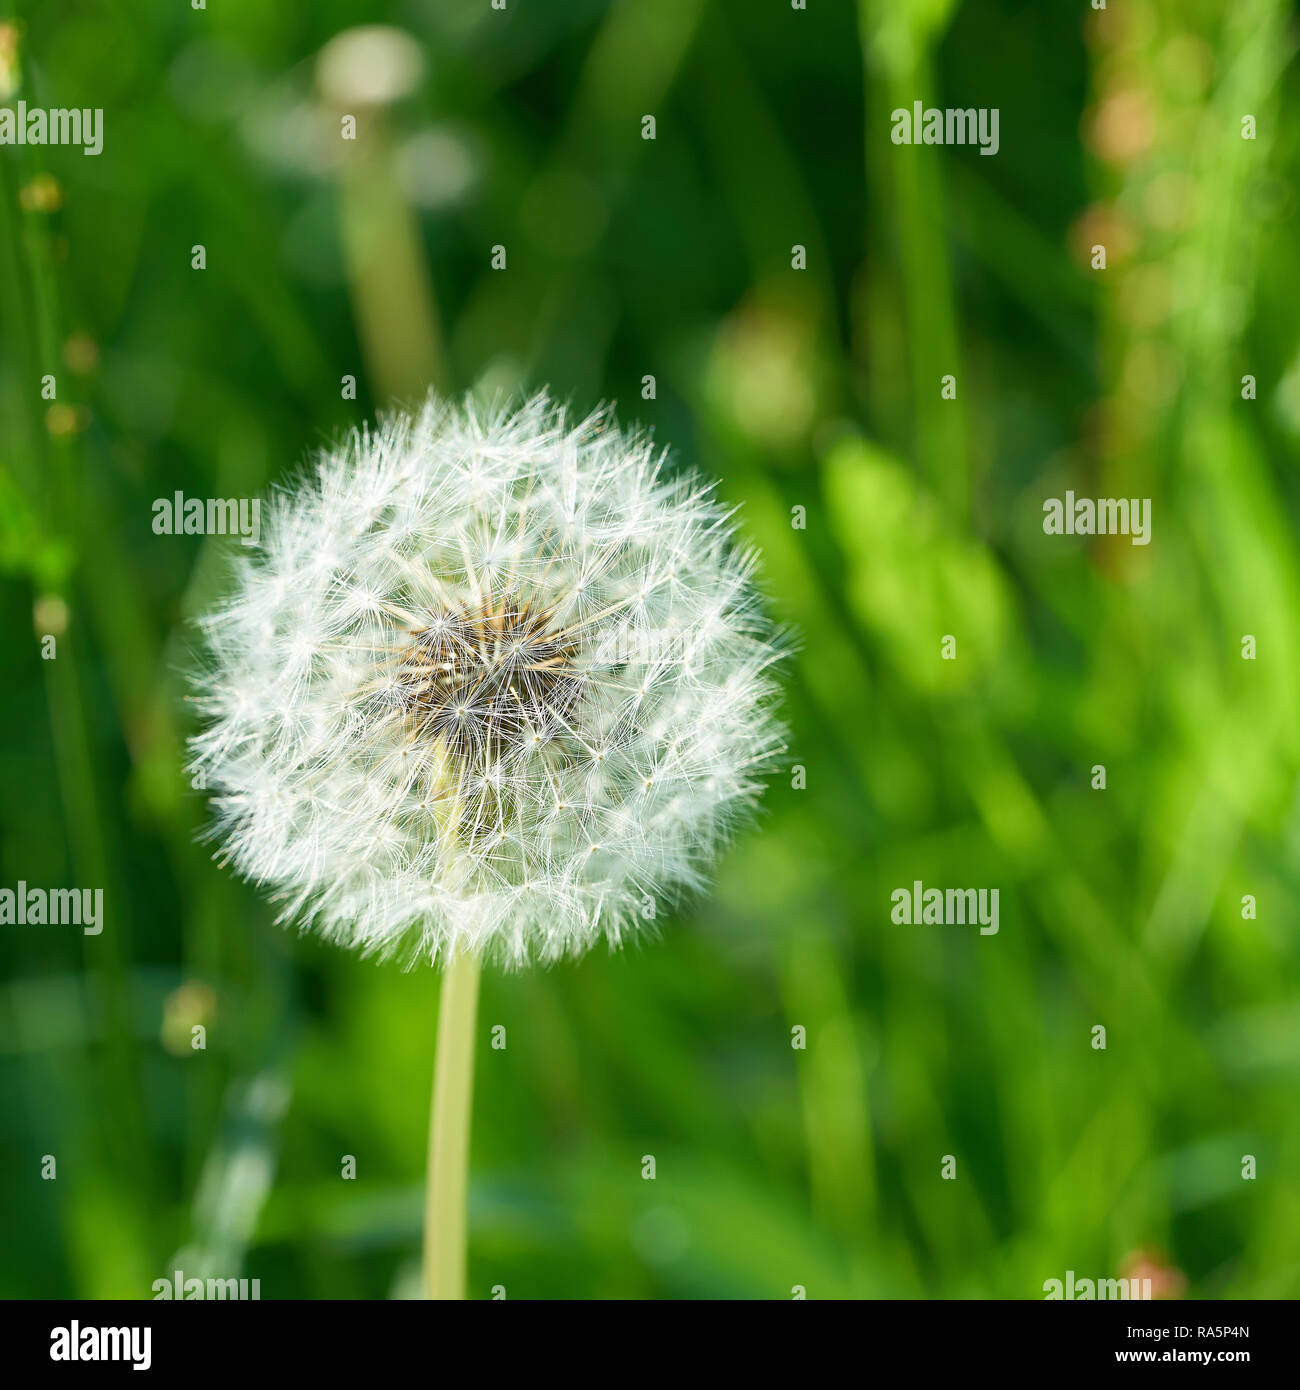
x=446 y=1195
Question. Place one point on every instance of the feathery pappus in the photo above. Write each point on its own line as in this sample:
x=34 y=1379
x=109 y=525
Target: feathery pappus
x=493 y=680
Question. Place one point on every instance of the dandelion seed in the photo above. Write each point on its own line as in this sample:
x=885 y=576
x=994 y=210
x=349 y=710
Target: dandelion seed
x=492 y=677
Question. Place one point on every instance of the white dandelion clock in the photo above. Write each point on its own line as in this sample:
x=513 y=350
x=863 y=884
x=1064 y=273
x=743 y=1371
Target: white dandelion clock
x=493 y=684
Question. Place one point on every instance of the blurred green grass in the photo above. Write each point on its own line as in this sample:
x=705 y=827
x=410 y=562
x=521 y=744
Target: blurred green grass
x=815 y=389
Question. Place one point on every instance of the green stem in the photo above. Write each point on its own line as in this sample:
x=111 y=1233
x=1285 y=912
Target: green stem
x=446 y=1197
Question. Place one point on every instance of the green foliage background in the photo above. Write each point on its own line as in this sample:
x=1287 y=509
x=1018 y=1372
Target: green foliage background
x=816 y=389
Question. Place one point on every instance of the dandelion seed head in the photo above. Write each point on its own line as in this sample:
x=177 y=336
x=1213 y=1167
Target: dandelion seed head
x=494 y=680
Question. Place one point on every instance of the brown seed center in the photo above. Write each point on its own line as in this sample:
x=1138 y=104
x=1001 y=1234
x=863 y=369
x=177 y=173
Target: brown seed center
x=489 y=678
